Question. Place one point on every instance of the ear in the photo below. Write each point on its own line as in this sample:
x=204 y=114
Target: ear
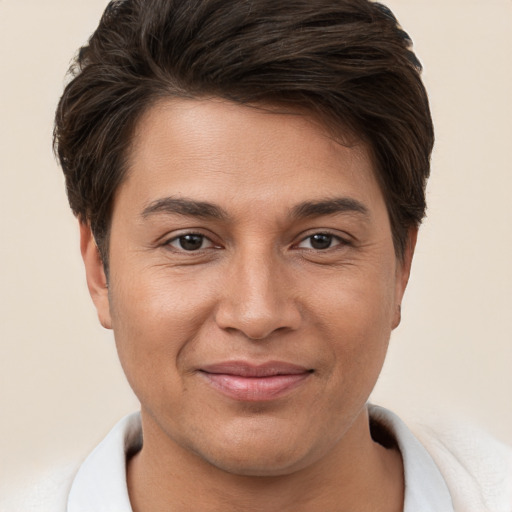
x=403 y=272
x=95 y=274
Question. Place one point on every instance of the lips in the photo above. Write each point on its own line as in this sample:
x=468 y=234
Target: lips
x=255 y=382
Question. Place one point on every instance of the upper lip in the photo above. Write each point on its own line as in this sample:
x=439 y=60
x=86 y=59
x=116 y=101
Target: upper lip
x=248 y=369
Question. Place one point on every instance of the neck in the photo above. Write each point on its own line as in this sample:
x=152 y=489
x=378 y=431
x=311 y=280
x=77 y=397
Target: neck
x=358 y=474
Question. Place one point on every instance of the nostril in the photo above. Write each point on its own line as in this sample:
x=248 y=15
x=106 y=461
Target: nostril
x=252 y=326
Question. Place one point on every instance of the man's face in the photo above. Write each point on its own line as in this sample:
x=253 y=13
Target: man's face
x=253 y=285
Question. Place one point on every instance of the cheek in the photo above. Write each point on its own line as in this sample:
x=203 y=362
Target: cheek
x=154 y=302
x=156 y=320
x=356 y=316
x=359 y=299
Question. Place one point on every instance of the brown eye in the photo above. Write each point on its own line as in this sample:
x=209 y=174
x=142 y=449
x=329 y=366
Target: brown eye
x=320 y=241
x=190 y=242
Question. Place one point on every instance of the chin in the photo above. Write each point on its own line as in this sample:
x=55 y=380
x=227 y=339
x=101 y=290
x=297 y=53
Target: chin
x=261 y=456
x=258 y=466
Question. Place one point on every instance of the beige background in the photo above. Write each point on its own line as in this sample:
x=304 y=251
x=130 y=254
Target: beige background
x=61 y=387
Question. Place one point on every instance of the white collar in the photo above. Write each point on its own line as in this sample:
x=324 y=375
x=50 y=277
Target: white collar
x=425 y=487
x=100 y=483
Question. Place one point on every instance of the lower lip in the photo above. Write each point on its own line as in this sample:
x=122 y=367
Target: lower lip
x=255 y=389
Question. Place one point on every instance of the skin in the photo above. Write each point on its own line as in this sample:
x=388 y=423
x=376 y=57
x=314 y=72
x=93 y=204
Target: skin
x=269 y=280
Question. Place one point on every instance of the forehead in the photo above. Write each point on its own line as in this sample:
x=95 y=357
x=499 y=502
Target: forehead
x=237 y=153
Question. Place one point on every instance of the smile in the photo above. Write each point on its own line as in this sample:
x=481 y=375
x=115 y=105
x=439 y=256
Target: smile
x=255 y=383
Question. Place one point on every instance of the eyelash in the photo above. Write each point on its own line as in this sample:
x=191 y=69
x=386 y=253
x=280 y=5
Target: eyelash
x=180 y=238
x=334 y=241
x=332 y=238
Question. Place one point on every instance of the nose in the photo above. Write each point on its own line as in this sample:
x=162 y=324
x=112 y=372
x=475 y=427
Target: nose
x=258 y=298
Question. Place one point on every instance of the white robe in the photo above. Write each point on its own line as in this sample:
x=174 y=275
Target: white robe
x=457 y=470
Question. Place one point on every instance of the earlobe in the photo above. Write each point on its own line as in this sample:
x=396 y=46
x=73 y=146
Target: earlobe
x=95 y=274
x=398 y=317
x=403 y=272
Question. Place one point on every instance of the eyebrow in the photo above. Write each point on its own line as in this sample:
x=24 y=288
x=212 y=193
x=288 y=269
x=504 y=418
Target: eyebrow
x=329 y=207
x=206 y=210
x=186 y=207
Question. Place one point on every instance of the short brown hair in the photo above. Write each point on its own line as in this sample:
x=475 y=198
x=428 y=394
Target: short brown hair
x=347 y=61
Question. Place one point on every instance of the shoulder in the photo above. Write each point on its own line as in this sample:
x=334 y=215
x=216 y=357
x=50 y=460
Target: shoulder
x=97 y=483
x=476 y=467
x=467 y=468
x=41 y=493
